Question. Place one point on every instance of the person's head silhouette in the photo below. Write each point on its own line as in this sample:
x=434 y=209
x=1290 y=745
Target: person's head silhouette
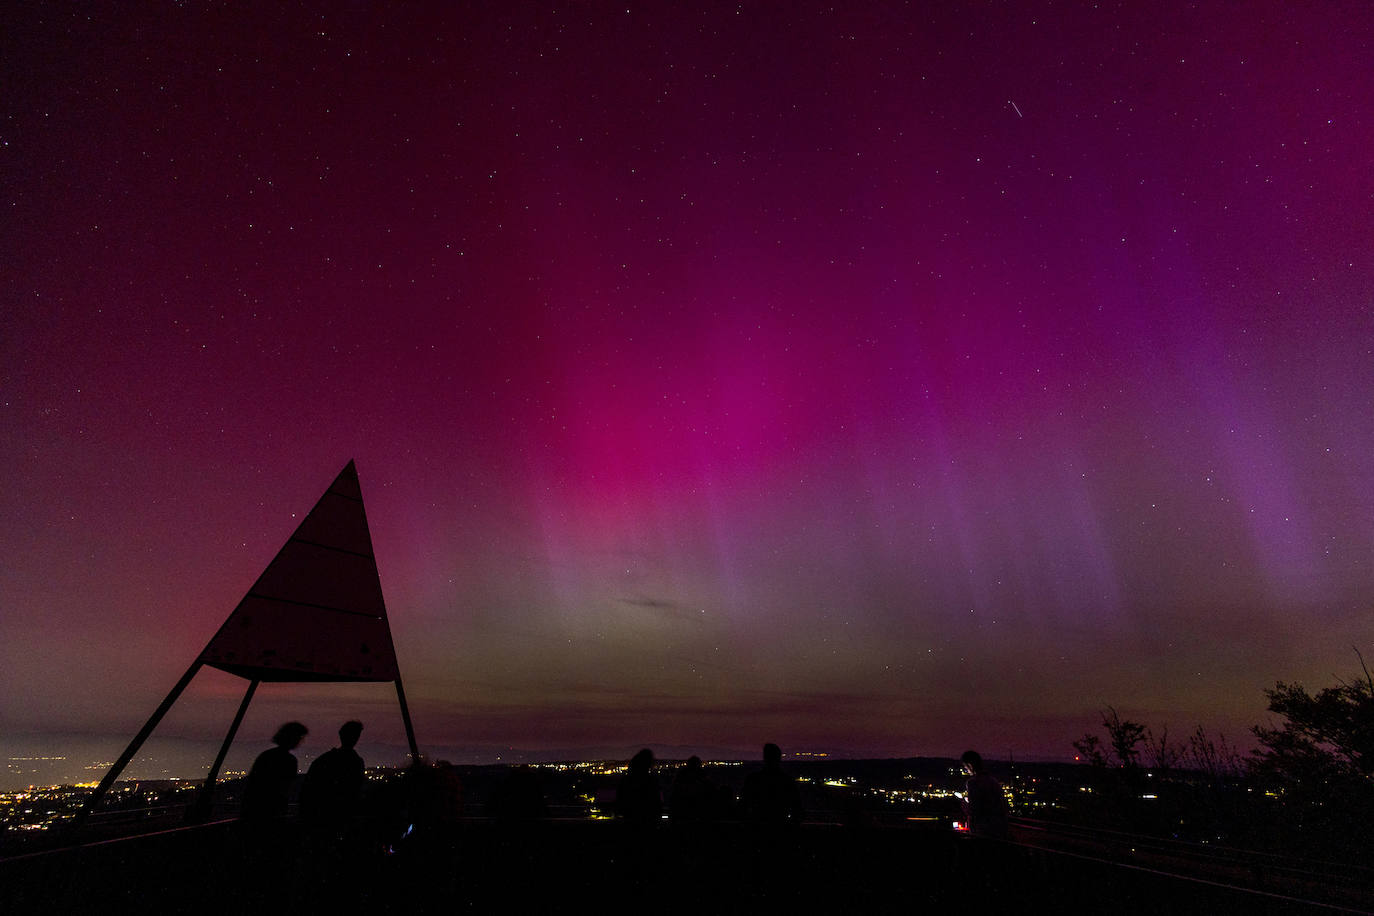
x=289 y=736
x=349 y=733
x=642 y=762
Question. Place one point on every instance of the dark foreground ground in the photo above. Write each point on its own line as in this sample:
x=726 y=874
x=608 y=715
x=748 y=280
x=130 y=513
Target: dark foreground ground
x=481 y=866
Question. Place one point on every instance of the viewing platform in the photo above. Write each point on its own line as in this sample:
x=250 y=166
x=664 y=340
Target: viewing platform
x=552 y=865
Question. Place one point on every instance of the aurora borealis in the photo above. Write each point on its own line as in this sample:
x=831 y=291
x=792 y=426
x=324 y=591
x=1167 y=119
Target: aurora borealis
x=889 y=380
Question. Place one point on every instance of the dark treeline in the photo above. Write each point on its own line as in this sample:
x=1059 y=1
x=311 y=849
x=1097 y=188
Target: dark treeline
x=1308 y=787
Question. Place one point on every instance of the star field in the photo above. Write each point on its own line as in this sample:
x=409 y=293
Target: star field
x=893 y=380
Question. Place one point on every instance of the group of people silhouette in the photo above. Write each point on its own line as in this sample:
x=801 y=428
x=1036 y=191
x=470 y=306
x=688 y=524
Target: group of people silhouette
x=769 y=795
x=333 y=787
x=733 y=830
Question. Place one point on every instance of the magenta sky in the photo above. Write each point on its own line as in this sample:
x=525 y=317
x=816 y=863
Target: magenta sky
x=895 y=380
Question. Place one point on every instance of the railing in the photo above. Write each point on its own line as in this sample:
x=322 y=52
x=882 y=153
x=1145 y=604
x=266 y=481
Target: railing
x=1340 y=884
x=484 y=865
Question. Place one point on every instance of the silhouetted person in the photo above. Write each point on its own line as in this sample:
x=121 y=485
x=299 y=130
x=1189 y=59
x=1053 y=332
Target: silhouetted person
x=270 y=843
x=333 y=785
x=267 y=791
x=985 y=807
x=432 y=806
x=434 y=797
x=637 y=798
x=770 y=796
x=693 y=796
x=423 y=838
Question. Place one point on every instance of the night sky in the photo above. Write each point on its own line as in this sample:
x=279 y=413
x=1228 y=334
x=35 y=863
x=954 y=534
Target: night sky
x=882 y=378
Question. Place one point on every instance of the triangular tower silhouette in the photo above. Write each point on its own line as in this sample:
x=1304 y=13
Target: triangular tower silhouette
x=315 y=614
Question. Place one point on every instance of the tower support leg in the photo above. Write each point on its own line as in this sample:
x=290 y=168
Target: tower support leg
x=200 y=811
x=133 y=747
x=405 y=717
